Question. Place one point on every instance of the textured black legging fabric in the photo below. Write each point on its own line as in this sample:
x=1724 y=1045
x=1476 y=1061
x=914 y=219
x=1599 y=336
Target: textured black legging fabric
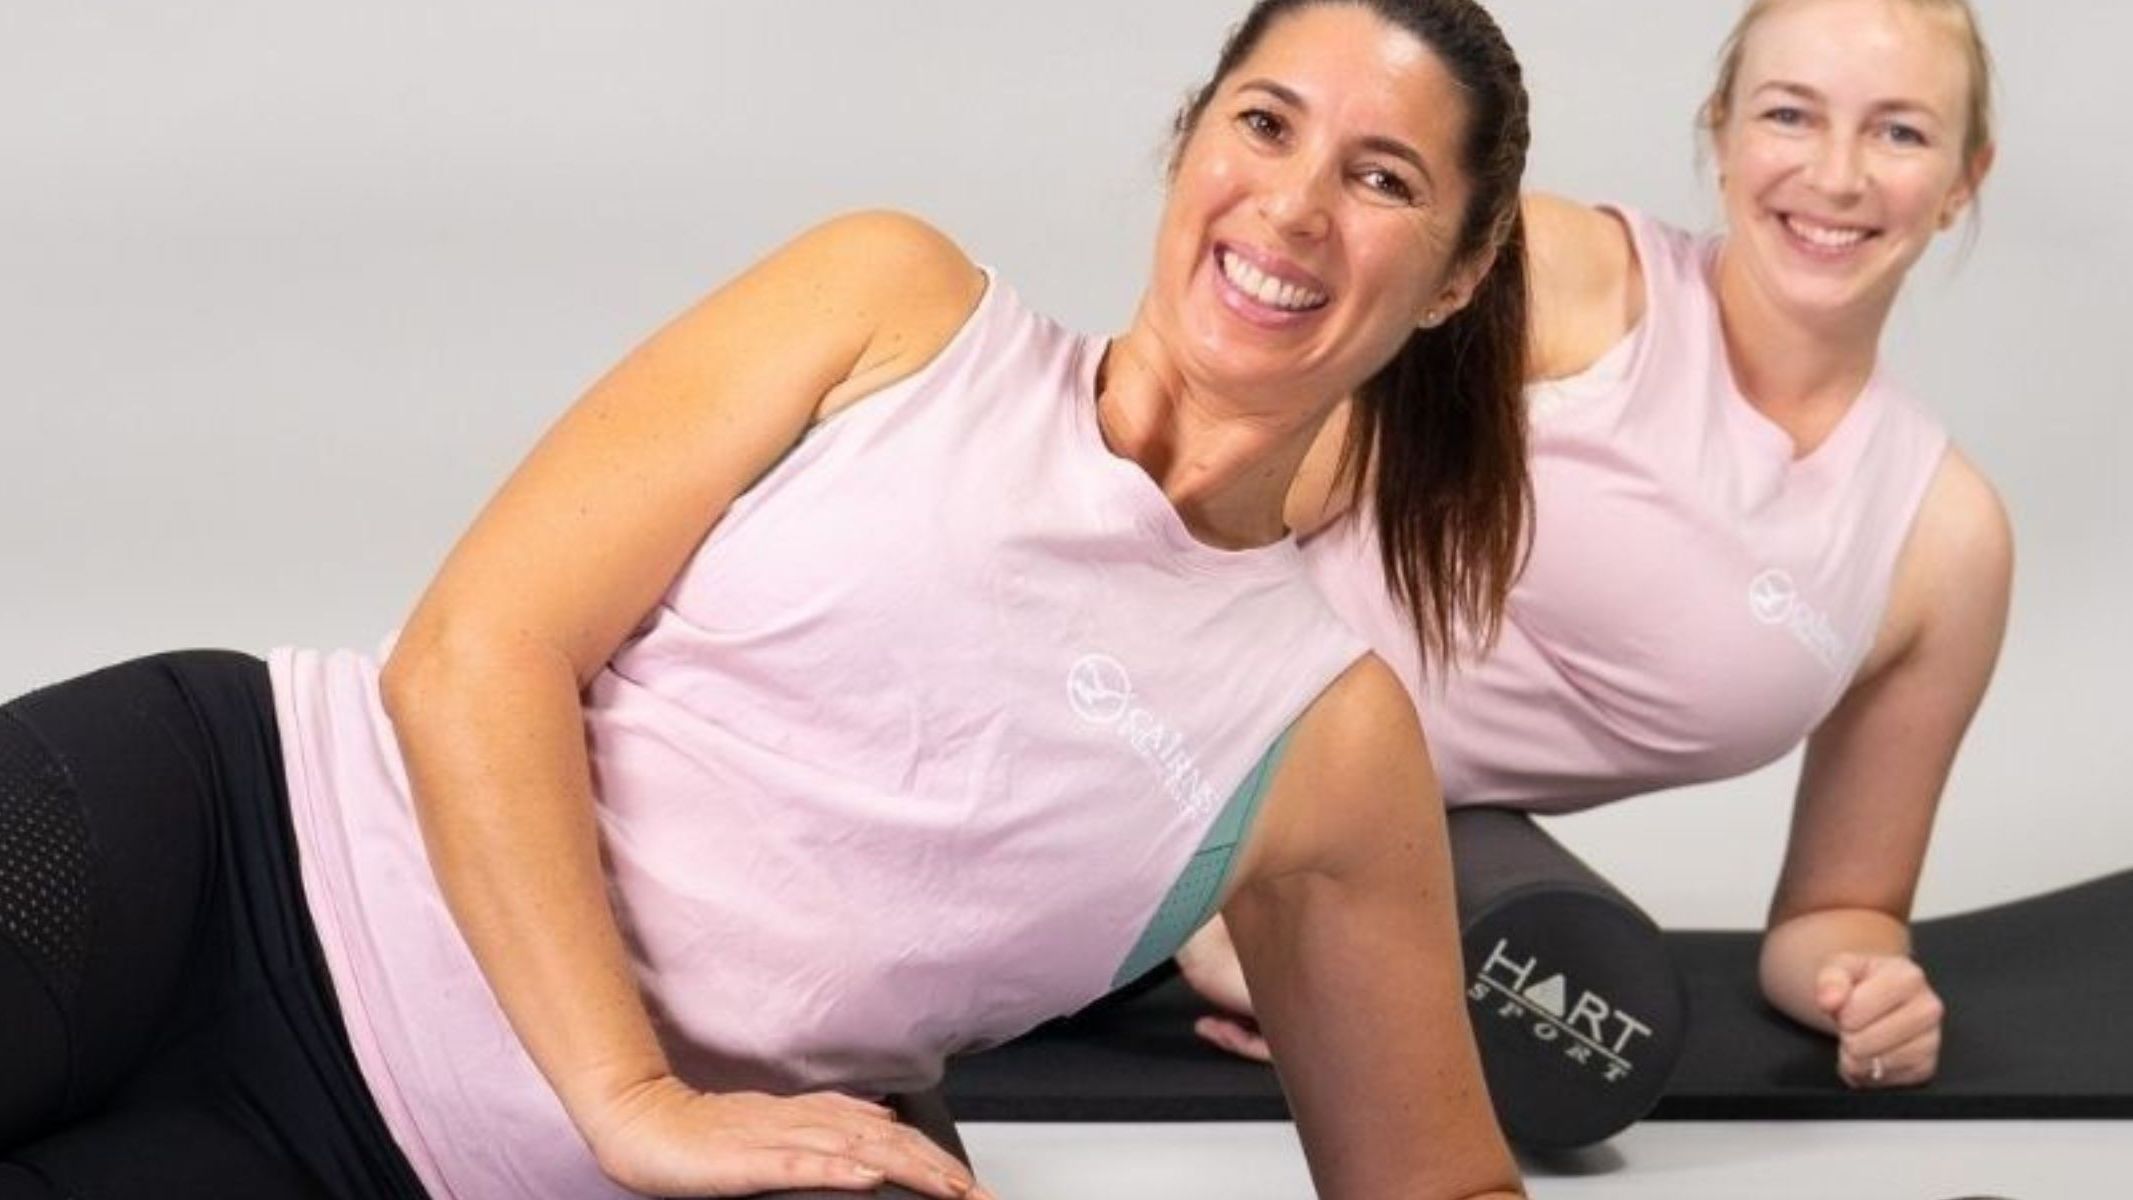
x=166 y=1028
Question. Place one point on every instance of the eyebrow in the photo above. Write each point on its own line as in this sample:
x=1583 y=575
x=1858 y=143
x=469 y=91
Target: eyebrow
x=1804 y=92
x=1378 y=142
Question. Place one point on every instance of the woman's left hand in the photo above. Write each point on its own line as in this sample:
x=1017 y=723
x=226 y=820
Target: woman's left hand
x=1887 y=1017
x=1208 y=961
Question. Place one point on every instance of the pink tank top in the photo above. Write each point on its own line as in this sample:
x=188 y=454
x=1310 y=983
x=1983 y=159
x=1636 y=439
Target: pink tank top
x=1697 y=599
x=902 y=764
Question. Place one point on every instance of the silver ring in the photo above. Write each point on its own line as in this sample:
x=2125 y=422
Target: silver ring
x=1874 y=1070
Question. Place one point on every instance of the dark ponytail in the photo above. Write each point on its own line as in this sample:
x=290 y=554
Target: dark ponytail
x=1444 y=423
x=1439 y=434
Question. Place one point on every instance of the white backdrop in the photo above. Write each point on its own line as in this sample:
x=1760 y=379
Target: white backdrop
x=285 y=289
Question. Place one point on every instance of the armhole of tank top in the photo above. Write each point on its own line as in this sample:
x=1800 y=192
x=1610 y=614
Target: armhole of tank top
x=881 y=402
x=1891 y=559
x=1629 y=352
x=1194 y=897
x=888 y=394
x=1618 y=363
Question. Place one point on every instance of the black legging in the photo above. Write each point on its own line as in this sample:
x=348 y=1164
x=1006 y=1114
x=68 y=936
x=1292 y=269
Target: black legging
x=167 y=1027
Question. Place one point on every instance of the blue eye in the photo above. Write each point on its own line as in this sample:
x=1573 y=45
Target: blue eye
x=1787 y=116
x=1905 y=135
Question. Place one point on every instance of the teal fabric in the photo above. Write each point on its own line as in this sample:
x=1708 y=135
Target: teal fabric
x=1193 y=897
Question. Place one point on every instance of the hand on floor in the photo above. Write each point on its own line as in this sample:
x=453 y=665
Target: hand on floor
x=1209 y=963
x=667 y=1139
x=1888 y=1019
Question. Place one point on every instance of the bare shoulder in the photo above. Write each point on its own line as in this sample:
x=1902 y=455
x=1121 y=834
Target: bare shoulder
x=846 y=299
x=1955 y=573
x=602 y=514
x=1362 y=714
x=1561 y=224
x=879 y=247
x=1587 y=287
x=1355 y=769
x=1962 y=534
x=901 y=278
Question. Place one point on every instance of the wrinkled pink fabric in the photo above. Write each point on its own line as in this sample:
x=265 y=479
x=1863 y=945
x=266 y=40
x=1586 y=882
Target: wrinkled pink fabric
x=1697 y=598
x=901 y=765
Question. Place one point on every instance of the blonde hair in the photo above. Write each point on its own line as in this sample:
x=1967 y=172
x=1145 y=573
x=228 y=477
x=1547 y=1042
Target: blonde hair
x=1718 y=107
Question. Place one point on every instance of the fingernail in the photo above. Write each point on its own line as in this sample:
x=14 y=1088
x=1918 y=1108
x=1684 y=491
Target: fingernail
x=868 y=1173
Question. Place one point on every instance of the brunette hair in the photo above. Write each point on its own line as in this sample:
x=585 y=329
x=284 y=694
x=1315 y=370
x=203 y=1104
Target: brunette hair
x=1441 y=428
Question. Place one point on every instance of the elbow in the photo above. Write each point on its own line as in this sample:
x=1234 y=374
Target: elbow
x=397 y=685
x=440 y=675
x=413 y=675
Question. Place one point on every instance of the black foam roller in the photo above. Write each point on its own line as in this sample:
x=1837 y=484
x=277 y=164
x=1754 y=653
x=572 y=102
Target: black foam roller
x=1578 y=1010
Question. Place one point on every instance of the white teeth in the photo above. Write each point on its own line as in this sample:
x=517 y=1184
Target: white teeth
x=1825 y=236
x=1265 y=288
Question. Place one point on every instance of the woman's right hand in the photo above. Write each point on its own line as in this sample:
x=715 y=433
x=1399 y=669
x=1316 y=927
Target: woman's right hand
x=664 y=1138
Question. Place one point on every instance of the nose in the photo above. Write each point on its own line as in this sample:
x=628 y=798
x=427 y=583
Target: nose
x=1294 y=199
x=1839 y=167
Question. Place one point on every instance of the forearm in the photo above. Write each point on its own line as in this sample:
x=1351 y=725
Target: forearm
x=1378 y=1059
x=495 y=747
x=1796 y=949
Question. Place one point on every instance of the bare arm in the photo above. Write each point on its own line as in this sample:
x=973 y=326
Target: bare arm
x=483 y=687
x=1586 y=284
x=1343 y=917
x=1836 y=956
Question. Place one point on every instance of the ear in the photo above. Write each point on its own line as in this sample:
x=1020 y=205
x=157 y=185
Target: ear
x=1714 y=122
x=1965 y=191
x=1459 y=287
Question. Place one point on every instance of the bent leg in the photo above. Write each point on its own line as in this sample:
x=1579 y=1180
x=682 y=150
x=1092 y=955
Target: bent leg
x=202 y=1052
x=105 y=855
x=32 y=1042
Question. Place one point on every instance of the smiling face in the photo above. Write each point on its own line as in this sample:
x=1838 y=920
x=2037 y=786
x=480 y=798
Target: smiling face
x=1314 y=209
x=1842 y=152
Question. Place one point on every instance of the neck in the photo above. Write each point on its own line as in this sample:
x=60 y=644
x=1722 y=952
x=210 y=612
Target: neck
x=1224 y=462
x=1803 y=373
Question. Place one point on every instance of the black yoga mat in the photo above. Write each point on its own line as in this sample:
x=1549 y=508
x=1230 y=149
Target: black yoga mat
x=2040 y=996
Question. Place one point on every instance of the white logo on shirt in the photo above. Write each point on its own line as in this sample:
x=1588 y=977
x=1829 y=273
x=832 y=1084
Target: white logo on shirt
x=1772 y=596
x=1101 y=693
x=1775 y=600
x=1099 y=689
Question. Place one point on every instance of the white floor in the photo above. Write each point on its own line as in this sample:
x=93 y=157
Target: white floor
x=1888 y=1160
